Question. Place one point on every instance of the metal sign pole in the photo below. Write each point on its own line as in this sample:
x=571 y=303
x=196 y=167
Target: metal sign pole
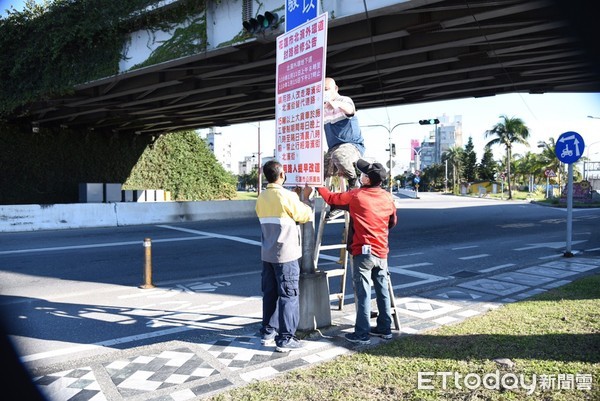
x=568 y=149
x=568 y=252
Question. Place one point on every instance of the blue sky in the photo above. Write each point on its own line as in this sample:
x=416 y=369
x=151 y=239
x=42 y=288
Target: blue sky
x=5 y=4
x=546 y=116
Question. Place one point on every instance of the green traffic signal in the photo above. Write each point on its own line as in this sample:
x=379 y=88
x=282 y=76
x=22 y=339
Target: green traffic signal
x=271 y=20
x=261 y=23
x=431 y=121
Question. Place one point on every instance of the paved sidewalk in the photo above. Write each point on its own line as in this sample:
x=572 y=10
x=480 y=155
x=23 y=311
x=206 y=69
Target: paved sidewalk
x=178 y=370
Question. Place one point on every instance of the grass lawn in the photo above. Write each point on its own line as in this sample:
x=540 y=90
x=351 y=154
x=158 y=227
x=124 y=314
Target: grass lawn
x=552 y=339
x=540 y=197
x=245 y=195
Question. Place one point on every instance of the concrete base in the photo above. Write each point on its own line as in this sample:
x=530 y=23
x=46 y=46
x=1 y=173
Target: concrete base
x=315 y=310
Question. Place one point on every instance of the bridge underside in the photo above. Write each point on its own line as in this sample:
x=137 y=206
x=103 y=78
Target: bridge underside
x=413 y=52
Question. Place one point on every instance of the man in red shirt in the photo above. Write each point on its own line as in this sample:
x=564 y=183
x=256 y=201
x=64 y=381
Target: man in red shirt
x=372 y=215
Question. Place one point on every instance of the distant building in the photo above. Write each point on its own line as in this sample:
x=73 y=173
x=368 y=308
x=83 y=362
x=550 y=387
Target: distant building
x=443 y=136
x=245 y=166
x=251 y=162
x=221 y=148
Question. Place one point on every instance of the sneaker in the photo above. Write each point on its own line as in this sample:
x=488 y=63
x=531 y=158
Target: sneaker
x=356 y=339
x=288 y=345
x=268 y=338
x=386 y=335
x=334 y=214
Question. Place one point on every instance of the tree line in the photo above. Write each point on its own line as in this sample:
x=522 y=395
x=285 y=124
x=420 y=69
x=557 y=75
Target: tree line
x=459 y=165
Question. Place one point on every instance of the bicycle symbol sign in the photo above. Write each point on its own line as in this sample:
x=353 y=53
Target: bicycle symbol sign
x=569 y=147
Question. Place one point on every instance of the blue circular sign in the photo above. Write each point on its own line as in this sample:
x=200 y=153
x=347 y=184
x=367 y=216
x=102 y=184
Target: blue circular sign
x=416 y=180
x=569 y=147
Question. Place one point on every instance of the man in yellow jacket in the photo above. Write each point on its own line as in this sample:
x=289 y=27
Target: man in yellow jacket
x=279 y=211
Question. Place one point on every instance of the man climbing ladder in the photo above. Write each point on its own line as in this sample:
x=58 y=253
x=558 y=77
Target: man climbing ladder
x=372 y=213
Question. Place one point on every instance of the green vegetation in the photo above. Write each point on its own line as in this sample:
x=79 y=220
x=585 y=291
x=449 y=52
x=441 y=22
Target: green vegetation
x=520 y=171
x=555 y=333
x=182 y=164
x=50 y=47
x=508 y=132
x=47 y=167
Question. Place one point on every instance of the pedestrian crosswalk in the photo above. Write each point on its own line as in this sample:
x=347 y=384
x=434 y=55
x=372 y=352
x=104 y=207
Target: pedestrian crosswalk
x=192 y=370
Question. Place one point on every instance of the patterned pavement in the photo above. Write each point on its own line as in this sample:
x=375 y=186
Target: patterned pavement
x=178 y=371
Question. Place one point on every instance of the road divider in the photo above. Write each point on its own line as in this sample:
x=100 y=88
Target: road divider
x=15 y=218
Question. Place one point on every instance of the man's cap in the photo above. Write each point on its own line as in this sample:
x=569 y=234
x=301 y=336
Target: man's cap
x=375 y=171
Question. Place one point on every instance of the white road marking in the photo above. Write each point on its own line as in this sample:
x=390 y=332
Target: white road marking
x=465 y=247
x=491 y=269
x=406 y=254
x=554 y=245
x=550 y=257
x=482 y=255
x=213 y=235
x=426 y=278
x=413 y=265
x=108 y=244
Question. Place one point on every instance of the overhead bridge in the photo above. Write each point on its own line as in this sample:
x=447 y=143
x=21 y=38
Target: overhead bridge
x=381 y=53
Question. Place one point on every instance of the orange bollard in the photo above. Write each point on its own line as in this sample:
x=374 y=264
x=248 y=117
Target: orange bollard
x=147 y=264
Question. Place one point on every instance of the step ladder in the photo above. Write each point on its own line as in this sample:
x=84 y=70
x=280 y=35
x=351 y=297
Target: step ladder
x=344 y=259
x=343 y=218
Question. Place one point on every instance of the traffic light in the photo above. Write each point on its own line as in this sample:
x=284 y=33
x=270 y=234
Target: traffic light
x=261 y=23
x=393 y=150
x=431 y=121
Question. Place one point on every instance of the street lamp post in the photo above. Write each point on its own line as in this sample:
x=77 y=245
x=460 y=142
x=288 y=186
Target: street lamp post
x=390 y=145
x=259 y=164
x=258 y=159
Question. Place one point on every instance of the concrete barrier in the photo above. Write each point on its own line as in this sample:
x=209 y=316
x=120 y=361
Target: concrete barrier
x=407 y=193
x=15 y=218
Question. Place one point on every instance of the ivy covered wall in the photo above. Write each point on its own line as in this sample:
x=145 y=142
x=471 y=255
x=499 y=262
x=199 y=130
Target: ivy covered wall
x=48 y=49
x=47 y=167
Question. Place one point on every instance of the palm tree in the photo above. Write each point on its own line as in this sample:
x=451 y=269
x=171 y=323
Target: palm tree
x=508 y=131
x=550 y=161
x=454 y=156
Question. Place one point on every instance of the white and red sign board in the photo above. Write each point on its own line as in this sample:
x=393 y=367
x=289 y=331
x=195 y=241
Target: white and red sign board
x=301 y=55
x=549 y=173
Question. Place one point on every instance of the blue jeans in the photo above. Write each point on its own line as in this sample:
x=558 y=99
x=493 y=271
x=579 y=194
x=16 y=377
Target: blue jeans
x=367 y=268
x=281 y=306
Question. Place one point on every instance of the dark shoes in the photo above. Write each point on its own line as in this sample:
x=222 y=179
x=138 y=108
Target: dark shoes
x=386 y=335
x=365 y=340
x=356 y=339
x=289 y=344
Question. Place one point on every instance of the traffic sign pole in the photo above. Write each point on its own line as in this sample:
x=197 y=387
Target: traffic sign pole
x=568 y=149
x=568 y=252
